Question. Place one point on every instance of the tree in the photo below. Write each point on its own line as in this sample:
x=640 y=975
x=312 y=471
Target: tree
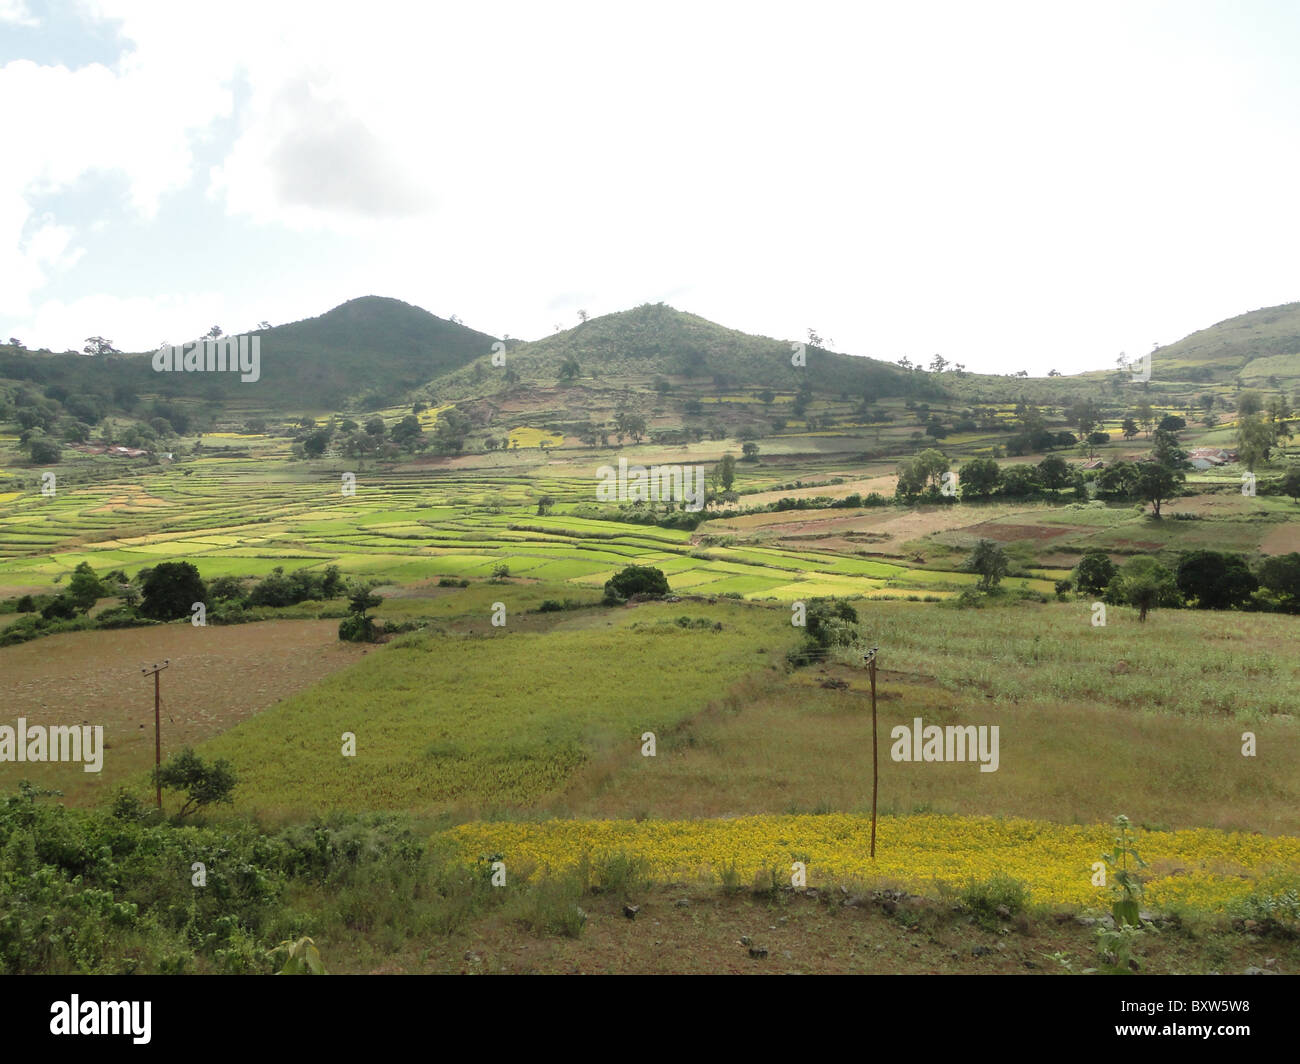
x=635 y=580
x=97 y=345
x=450 y=431
x=990 y=561
x=1145 y=416
x=1291 y=483
x=1216 y=581
x=980 y=478
x=767 y=397
x=1129 y=428
x=544 y=505
x=375 y=426
x=314 y=445
x=203 y=783
x=1084 y=415
x=170 y=591
x=1249 y=402
x=569 y=368
x=1172 y=423
x=726 y=471
x=358 y=626
x=59 y=608
x=1118 y=481
x=750 y=452
x=1255 y=440
x=407 y=432
x=1156 y=483
x=1281 y=576
x=1054 y=472
x=43 y=450
x=1020 y=481
x=1143 y=583
x=634 y=425
x=932 y=465
x=85 y=588
x=1094 y=572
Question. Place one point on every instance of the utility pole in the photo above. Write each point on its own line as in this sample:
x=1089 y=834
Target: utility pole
x=875 y=753
x=157 y=733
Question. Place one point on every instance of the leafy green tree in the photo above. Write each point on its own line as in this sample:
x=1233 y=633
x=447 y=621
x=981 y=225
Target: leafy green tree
x=170 y=590
x=358 y=626
x=1216 y=581
x=59 y=608
x=203 y=783
x=1291 y=483
x=1156 y=484
x=1129 y=428
x=1143 y=583
x=1280 y=575
x=980 y=478
x=1054 y=472
x=750 y=452
x=726 y=471
x=1249 y=402
x=989 y=560
x=1020 y=481
x=450 y=432
x=42 y=450
x=1118 y=481
x=1094 y=572
x=85 y=588
x=314 y=445
x=1255 y=440
x=569 y=369
x=407 y=432
x=635 y=580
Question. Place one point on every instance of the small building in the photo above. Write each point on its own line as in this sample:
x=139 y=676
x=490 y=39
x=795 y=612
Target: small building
x=1095 y=463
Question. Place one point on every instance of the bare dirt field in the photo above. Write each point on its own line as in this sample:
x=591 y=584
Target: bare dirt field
x=1284 y=539
x=218 y=676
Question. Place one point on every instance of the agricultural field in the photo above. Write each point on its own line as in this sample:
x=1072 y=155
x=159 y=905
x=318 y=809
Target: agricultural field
x=510 y=720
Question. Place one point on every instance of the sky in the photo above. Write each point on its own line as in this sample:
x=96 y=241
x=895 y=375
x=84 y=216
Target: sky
x=1010 y=185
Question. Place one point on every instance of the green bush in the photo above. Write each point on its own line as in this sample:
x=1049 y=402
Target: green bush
x=984 y=899
x=635 y=580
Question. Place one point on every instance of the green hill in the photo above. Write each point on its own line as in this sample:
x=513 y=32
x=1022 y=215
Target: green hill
x=363 y=353
x=1251 y=347
x=632 y=347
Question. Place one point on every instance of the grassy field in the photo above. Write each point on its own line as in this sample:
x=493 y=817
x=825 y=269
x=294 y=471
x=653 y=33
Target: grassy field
x=525 y=740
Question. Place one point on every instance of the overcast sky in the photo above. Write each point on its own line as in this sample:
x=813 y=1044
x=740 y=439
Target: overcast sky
x=1014 y=186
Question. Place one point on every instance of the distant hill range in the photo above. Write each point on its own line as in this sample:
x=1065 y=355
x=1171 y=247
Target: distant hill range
x=373 y=352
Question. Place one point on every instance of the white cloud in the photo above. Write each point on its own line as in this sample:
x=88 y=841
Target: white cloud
x=17 y=13
x=1008 y=184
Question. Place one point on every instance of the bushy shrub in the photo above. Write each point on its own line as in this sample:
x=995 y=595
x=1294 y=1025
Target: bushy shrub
x=635 y=580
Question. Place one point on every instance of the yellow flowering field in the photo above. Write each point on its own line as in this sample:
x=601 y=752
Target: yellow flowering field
x=1197 y=868
x=526 y=436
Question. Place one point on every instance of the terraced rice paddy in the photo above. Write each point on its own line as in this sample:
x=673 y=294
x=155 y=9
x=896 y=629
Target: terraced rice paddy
x=233 y=517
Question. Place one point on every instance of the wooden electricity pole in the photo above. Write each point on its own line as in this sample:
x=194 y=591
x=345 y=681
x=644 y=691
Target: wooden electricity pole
x=157 y=730
x=875 y=753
